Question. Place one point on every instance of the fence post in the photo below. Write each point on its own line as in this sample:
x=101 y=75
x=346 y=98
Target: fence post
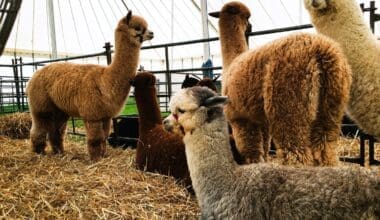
x=168 y=78
x=1 y=96
x=373 y=17
x=22 y=81
x=17 y=81
x=108 y=52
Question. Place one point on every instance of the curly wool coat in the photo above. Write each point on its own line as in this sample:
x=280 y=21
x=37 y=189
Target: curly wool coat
x=343 y=21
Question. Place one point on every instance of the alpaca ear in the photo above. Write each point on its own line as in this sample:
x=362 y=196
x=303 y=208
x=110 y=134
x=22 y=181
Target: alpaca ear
x=128 y=17
x=215 y=14
x=187 y=76
x=215 y=100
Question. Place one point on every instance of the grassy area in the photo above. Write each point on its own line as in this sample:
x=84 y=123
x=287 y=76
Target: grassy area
x=6 y=109
x=130 y=108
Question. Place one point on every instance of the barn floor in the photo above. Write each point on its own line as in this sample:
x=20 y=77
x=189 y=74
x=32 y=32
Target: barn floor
x=72 y=187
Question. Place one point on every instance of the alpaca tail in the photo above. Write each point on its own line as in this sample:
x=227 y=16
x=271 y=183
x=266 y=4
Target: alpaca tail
x=335 y=82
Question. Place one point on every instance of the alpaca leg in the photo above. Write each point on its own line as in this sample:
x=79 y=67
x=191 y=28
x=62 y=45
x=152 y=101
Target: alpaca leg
x=324 y=136
x=266 y=143
x=38 y=134
x=95 y=139
x=106 y=131
x=56 y=134
x=249 y=140
x=292 y=140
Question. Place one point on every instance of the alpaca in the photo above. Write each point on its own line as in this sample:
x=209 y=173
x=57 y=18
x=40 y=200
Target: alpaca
x=95 y=93
x=293 y=90
x=225 y=190
x=210 y=83
x=342 y=21
x=191 y=81
x=157 y=150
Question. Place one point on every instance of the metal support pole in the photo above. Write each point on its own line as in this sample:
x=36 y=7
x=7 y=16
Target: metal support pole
x=108 y=52
x=168 y=79
x=17 y=86
x=22 y=93
x=50 y=12
x=206 y=45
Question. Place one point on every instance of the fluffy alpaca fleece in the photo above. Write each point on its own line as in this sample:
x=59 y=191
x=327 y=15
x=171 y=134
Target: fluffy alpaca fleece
x=157 y=149
x=95 y=93
x=225 y=190
x=210 y=83
x=342 y=20
x=293 y=89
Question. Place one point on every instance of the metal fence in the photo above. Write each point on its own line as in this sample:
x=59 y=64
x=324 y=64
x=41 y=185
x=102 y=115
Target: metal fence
x=12 y=88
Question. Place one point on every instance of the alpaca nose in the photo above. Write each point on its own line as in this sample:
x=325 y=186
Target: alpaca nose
x=167 y=125
x=150 y=35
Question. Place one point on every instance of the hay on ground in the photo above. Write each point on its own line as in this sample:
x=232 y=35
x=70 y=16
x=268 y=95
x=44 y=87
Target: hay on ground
x=16 y=125
x=73 y=187
x=70 y=186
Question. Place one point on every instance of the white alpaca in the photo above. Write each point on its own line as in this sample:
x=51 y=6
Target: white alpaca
x=342 y=20
x=262 y=191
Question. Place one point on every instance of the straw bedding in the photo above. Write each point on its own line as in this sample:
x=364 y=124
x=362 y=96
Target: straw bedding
x=16 y=125
x=70 y=186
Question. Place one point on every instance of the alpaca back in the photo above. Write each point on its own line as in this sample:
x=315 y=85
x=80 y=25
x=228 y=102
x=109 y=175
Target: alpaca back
x=289 y=66
x=73 y=88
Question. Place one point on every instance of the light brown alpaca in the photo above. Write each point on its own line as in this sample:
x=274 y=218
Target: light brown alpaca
x=293 y=89
x=95 y=93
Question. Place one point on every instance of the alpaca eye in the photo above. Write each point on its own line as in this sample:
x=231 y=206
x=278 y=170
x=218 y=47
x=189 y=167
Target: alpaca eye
x=181 y=111
x=138 y=28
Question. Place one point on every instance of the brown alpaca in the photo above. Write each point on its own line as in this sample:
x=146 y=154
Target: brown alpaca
x=95 y=93
x=191 y=81
x=293 y=89
x=157 y=150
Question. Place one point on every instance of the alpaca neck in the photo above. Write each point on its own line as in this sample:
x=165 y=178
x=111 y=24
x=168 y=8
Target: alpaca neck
x=123 y=67
x=147 y=105
x=233 y=44
x=210 y=160
x=349 y=29
x=125 y=59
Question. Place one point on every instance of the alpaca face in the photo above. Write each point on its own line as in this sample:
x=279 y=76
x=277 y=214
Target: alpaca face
x=235 y=15
x=321 y=7
x=135 y=28
x=192 y=108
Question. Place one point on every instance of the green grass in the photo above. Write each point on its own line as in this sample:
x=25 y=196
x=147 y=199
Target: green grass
x=130 y=108
x=6 y=109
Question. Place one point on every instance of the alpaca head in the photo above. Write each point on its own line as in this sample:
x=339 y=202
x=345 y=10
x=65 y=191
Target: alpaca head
x=134 y=28
x=234 y=15
x=189 y=81
x=328 y=9
x=144 y=80
x=194 y=107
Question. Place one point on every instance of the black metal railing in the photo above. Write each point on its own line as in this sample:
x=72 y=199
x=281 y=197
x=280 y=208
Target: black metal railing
x=15 y=100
